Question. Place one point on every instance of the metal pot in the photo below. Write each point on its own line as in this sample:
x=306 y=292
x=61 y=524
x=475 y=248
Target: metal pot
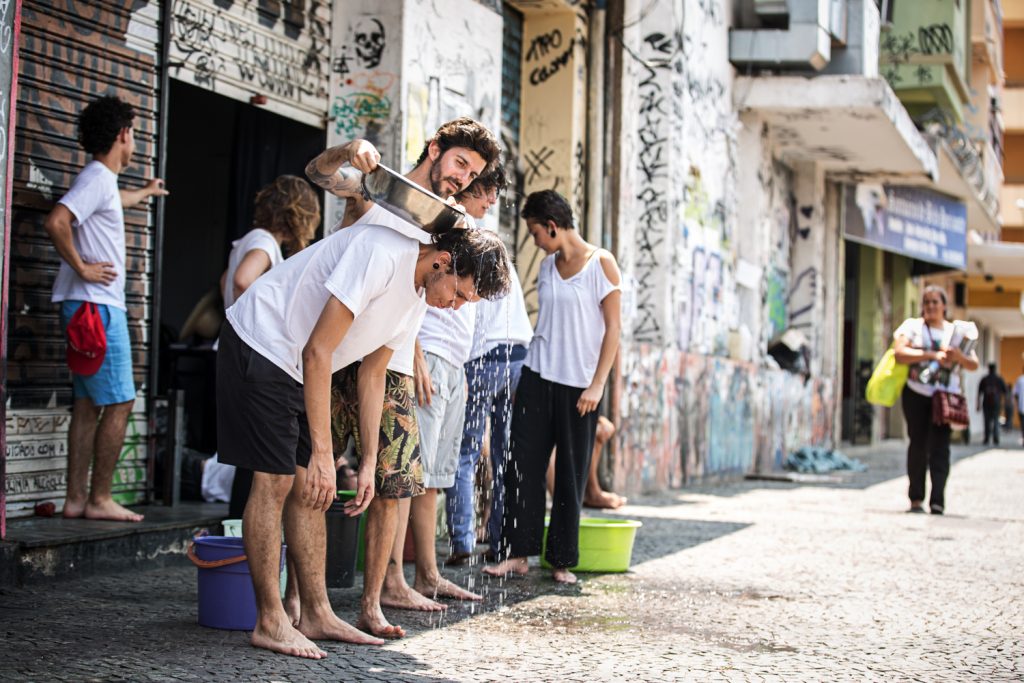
x=409 y=201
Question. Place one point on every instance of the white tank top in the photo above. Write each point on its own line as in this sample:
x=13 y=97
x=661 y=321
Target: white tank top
x=566 y=345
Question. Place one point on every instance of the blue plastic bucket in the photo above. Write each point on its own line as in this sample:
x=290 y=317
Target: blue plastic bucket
x=226 y=596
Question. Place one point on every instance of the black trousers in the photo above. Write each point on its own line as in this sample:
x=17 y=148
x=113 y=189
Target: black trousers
x=544 y=416
x=991 y=424
x=928 y=450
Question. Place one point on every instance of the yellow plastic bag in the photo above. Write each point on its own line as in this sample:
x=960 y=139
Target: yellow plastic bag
x=887 y=381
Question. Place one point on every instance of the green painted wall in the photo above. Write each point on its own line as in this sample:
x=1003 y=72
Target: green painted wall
x=925 y=55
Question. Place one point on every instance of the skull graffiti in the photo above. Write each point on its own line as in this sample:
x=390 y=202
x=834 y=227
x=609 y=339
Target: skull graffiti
x=369 y=42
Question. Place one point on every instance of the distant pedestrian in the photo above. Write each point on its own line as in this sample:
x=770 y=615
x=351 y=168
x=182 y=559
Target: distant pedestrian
x=991 y=391
x=87 y=229
x=1018 y=396
x=918 y=343
x=563 y=381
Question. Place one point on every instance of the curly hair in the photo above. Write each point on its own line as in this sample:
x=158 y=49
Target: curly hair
x=548 y=205
x=479 y=254
x=288 y=207
x=495 y=180
x=101 y=121
x=468 y=133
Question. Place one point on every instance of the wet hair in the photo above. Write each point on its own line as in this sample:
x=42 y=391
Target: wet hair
x=479 y=254
x=548 y=205
x=495 y=180
x=468 y=133
x=935 y=289
x=101 y=121
x=288 y=207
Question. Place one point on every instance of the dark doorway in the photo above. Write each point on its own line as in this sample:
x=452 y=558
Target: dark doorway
x=220 y=153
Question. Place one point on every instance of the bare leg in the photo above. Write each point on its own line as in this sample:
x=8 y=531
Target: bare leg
x=594 y=496
x=429 y=581
x=292 y=604
x=306 y=534
x=81 y=440
x=108 y=443
x=381 y=520
x=397 y=592
x=262 y=539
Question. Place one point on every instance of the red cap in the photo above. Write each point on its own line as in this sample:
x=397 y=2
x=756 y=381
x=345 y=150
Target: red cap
x=87 y=340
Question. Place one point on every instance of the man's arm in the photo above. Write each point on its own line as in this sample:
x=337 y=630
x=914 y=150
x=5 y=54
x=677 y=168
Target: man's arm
x=332 y=326
x=58 y=226
x=370 y=386
x=323 y=169
x=154 y=187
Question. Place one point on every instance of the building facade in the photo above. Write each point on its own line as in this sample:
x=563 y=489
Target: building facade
x=728 y=152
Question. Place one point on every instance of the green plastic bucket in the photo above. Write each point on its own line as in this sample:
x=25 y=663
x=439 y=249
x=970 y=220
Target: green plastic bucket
x=606 y=545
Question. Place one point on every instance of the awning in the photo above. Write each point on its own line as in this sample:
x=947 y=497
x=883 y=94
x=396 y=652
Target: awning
x=858 y=130
x=852 y=125
x=1006 y=322
x=996 y=258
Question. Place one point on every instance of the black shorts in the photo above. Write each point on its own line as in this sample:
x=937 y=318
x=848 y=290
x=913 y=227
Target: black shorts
x=261 y=411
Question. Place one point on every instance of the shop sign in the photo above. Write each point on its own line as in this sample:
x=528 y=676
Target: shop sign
x=911 y=221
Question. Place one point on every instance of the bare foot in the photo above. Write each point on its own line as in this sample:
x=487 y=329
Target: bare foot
x=284 y=638
x=292 y=607
x=563 y=576
x=443 y=588
x=514 y=565
x=603 y=500
x=407 y=598
x=372 y=621
x=73 y=510
x=110 y=510
x=330 y=627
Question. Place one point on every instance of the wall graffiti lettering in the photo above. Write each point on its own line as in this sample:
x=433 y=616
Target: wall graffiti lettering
x=354 y=111
x=543 y=73
x=220 y=45
x=544 y=43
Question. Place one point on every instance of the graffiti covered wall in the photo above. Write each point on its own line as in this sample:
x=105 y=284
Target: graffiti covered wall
x=709 y=275
x=246 y=48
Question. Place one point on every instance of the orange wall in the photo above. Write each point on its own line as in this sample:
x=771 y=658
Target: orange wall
x=1011 y=364
x=1013 y=166
x=1013 y=56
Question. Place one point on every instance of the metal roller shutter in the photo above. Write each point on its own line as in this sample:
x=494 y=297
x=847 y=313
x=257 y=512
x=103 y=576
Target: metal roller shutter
x=71 y=53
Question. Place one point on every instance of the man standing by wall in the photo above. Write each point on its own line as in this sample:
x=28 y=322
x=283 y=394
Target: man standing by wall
x=87 y=229
x=990 y=396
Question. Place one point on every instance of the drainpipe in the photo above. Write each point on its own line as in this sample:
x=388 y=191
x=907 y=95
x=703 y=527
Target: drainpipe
x=597 y=224
x=166 y=14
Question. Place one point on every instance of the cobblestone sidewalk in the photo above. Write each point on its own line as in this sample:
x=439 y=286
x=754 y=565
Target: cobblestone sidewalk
x=745 y=581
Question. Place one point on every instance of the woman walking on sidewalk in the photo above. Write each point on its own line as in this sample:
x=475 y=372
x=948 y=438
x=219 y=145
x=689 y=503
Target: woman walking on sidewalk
x=560 y=388
x=920 y=342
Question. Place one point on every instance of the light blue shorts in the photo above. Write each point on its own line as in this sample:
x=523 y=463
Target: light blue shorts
x=113 y=383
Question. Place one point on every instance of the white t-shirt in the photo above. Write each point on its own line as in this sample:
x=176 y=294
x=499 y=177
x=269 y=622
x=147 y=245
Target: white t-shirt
x=566 y=346
x=401 y=359
x=502 y=321
x=448 y=333
x=931 y=339
x=1018 y=393
x=368 y=268
x=257 y=238
x=217 y=481
x=98 y=234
